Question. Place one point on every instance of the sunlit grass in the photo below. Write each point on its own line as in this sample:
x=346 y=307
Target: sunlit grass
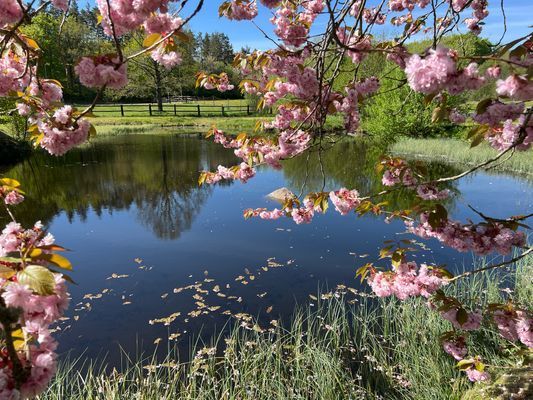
x=332 y=350
x=458 y=151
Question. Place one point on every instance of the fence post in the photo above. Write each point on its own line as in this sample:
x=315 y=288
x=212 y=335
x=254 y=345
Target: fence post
x=175 y=112
x=122 y=110
x=198 y=109
x=248 y=109
x=222 y=110
x=150 y=109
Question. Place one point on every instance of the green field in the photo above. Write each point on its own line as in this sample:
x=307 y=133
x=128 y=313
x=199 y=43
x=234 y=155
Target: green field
x=459 y=152
x=200 y=108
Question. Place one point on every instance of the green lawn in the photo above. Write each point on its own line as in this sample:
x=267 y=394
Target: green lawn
x=459 y=151
x=199 y=108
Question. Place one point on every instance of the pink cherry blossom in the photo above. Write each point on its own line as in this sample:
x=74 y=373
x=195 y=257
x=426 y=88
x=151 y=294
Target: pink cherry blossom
x=10 y=12
x=241 y=10
x=472 y=323
x=477 y=376
x=516 y=87
x=102 y=71
x=345 y=200
x=167 y=59
x=13 y=198
x=456 y=347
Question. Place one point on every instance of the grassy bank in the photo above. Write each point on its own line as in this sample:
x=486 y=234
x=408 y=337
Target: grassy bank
x=335 y=350
x=117 y=126
x=459 y=152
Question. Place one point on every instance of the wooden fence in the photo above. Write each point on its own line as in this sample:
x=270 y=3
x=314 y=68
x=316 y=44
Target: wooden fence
x=184 y=110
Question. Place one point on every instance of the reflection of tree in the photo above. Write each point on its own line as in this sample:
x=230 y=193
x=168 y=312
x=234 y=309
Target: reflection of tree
x=352 y=164
x=171 y=208
x=158 y=175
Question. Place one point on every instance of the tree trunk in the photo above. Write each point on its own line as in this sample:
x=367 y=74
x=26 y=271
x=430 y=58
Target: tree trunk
x=158 y=87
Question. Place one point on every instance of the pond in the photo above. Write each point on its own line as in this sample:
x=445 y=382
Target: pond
x=141 y=232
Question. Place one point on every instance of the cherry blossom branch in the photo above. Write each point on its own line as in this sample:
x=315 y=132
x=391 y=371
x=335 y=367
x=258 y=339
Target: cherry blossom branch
x=158 y=42
x=489 y=267
x=519 y=140
x=511 y=219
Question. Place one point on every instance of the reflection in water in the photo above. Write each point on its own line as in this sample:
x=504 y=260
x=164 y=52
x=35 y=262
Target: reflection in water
x=128 y=198
x=159 y=175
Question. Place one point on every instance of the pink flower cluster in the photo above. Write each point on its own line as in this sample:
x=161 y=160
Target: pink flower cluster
x=162 y=23
x=128 y=15
x=406 y=280
x=430 y=192
x=290 y=143
x=438 y=71
x=400 y=5
x=243 y=173
x=479 y=12
x=475 y=375
x=456 y=347
x=292 y=26
x=12 y=77
x=10 y=12
x=102 y=71
x=241 y=10
x=472 y=323
x=61 y=132
x=345 y=200
x=60 y=4
x=510 y=135
x=38 y=313
x=483 y=238
x=167 y=59
x=14 y=238
x=517 y=87
x=220 y=82
x=12 y=198
x=515 y=325
x=270 y=3
x=394 y=176
x=497 y=112
x=349 y=105
x=358 y=45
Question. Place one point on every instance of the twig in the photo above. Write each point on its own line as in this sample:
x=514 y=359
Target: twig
x=488 y=267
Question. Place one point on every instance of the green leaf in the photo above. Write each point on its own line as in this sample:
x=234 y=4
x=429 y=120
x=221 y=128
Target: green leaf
x=38 y=278
x=482 y=106
x=464 y=364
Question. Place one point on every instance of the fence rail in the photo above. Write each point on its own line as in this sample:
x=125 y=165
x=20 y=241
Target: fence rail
x=191 y=110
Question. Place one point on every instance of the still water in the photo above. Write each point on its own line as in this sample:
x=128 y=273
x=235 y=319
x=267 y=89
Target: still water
x=140 y=229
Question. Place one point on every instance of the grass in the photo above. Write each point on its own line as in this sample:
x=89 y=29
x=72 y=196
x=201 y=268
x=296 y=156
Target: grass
x=459 y=152
x=335 y=350
x=116 y=126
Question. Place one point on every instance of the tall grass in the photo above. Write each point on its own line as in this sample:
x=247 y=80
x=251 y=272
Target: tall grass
x=458 y=151
x=335 y=350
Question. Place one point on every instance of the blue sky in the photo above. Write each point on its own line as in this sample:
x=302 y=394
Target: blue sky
x=519 y=16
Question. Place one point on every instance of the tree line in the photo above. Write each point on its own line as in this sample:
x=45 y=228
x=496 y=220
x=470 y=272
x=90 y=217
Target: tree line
x=64 y=40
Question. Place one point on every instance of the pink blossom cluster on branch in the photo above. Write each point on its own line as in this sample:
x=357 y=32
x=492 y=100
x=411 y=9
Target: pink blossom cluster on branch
x=38 y=313
x=407 y=279
x=482 y=239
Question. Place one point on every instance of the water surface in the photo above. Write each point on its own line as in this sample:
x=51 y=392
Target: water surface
x=138 y=225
